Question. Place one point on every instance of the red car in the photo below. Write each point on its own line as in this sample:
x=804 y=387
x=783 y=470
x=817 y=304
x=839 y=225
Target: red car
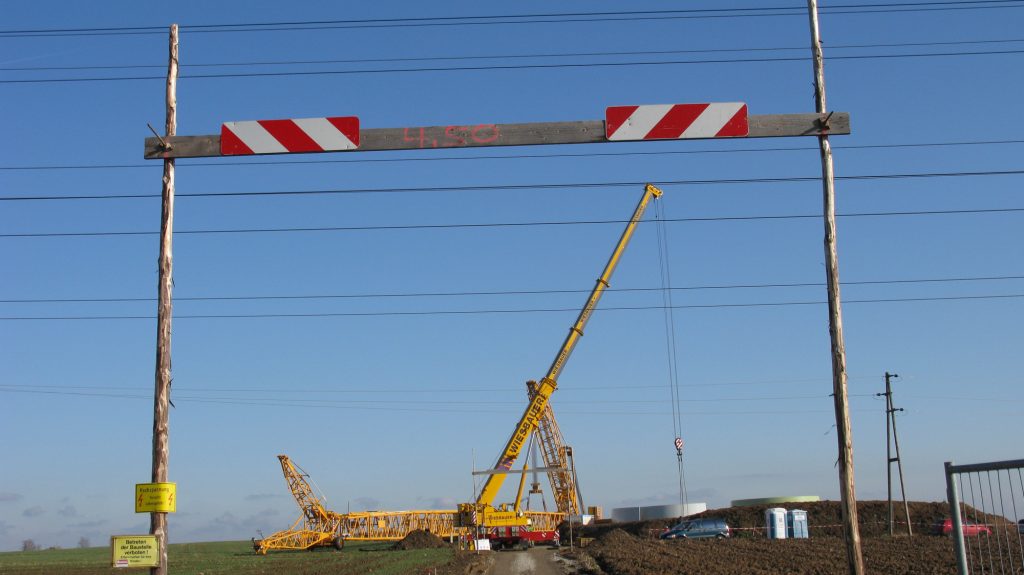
x=945 y=527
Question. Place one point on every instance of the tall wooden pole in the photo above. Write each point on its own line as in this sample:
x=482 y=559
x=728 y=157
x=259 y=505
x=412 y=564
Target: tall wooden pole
x=888 y=445
x=162 y=394
x=899 y=459
x=855 y=557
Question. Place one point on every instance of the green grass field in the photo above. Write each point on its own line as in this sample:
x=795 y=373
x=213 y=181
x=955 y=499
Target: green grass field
x=234 y=558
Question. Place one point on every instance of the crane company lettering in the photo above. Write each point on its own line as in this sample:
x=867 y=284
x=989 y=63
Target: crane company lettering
x=526 y=426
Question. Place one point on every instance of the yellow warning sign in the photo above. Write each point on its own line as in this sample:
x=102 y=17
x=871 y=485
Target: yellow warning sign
x=155 y=498
x=135 y=551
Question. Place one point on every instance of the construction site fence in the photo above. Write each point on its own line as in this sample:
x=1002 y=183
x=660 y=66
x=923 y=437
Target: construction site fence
x=977 y=493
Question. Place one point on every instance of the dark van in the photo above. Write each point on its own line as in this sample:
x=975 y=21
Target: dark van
x=699 y=529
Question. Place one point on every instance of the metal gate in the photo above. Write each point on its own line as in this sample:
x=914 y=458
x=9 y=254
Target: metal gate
x=986 y=504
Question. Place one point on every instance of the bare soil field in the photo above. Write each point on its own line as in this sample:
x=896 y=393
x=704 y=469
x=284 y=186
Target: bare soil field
x=634 y=549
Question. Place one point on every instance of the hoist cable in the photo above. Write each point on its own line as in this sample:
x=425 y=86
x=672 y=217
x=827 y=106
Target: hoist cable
x=670 y=342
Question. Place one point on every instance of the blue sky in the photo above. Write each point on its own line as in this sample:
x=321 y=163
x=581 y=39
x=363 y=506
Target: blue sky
x=390 y=411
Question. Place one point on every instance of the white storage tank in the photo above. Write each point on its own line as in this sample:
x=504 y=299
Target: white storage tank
x=623 y=514
x=775 y=519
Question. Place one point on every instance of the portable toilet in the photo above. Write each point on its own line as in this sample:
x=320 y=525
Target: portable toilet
x=796 y=524
x=775 y=518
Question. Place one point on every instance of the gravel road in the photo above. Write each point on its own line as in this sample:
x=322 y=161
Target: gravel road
x=536 y=561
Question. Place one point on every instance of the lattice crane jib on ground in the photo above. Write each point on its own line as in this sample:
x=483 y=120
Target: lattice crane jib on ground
x=316 y=527
x=482 y=515
x=321 y=527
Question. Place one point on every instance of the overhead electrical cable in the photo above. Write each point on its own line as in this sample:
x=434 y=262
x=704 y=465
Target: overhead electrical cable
x=255 y=63
x=429 y=390
x=291 y=393
x=472 y=409
x=507 y=311
x=409 y=227
x=349 y=160
x=505 y=19
x=492 y=68
x=906 y=281
x=505 y=187
x=385 y=402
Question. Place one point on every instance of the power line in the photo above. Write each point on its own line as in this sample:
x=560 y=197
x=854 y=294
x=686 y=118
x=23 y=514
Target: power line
x=394 y=402
x=501 y=56
x=268 y=162
x=541 y=18
x=521 y=292
x=506 y=187
x=503 y=67
x=410 y=227
x=431 y=390
x=474 y=410
x=277 y=403
x=505 y=311
x=460 y=391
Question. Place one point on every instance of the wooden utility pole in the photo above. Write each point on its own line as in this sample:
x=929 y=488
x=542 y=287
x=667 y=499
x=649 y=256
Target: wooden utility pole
x=855 y=557
x=888 y=446
x=890 y=439
x=162 y=394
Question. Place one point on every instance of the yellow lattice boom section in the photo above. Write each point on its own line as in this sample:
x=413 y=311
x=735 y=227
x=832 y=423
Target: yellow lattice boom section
x=395 y=525
x=294 y=539
x=545 y=520
x=552 y=448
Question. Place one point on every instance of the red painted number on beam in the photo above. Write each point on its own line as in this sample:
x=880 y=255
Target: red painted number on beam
x=452 y=136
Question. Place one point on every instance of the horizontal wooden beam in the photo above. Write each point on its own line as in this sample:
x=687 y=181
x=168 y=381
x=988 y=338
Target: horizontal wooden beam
x=489 y=135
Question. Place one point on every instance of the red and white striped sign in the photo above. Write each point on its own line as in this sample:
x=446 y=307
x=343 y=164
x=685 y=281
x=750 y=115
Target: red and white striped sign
x=289 y=136
x=676 y=121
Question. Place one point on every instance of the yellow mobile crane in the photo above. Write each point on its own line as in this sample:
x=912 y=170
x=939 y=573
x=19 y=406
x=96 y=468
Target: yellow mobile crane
x=321 y=527
x=482 y=515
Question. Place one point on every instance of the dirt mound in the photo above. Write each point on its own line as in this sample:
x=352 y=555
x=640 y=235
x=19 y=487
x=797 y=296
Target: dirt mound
x=629 y=555
x=826 y=517
x=634 y=549
x=420 y=539
x=823 y=518
x=616 y=538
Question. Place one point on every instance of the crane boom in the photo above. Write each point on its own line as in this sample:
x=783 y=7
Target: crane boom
x=538 y=405
x=576 y=332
